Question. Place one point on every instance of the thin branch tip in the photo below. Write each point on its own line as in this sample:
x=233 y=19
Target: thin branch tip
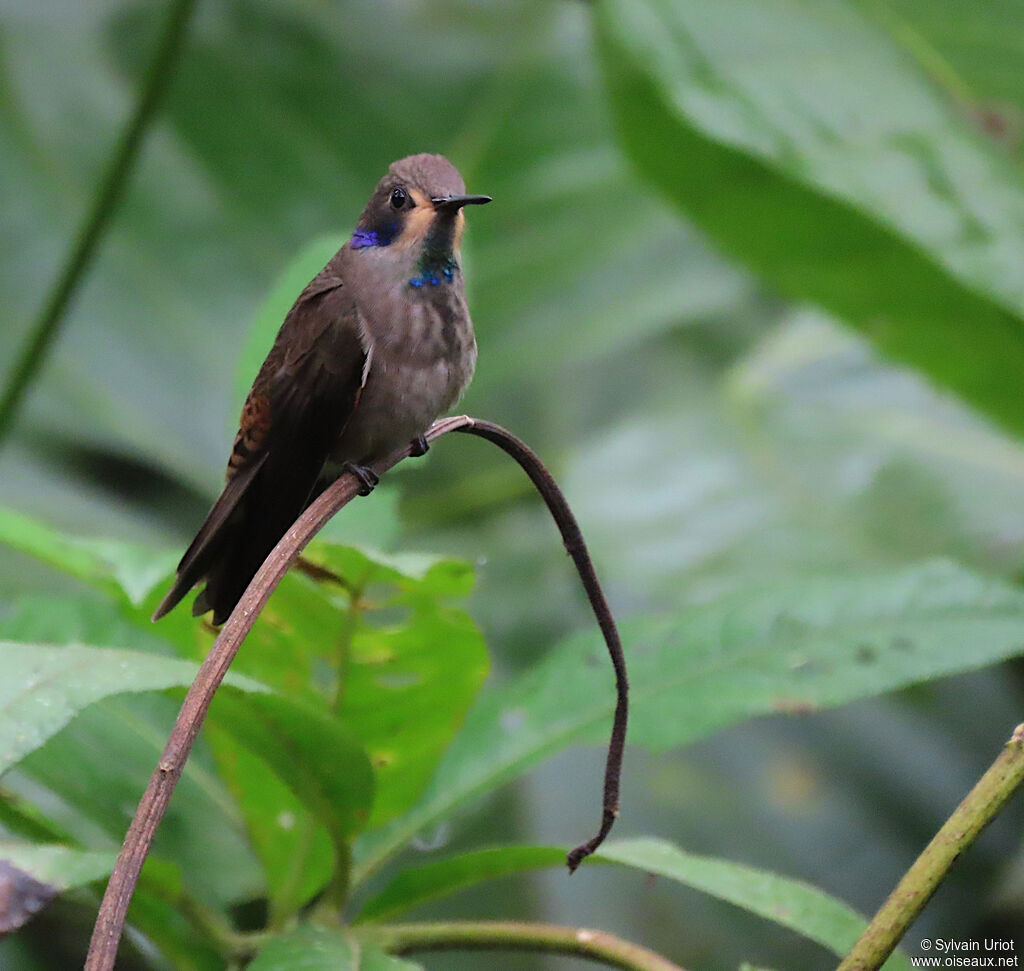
x=572 y=538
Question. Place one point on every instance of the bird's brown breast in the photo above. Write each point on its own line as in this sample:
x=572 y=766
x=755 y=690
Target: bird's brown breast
x=423 y=356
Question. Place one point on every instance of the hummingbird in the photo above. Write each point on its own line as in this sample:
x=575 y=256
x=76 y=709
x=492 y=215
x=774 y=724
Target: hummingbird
x=378 y=345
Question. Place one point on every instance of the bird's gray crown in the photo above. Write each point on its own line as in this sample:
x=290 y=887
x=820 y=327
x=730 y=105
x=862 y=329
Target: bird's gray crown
x=433 y=175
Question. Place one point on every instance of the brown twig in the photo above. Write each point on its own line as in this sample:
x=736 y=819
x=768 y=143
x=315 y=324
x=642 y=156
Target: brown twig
x=110 y=920
x=577 y=549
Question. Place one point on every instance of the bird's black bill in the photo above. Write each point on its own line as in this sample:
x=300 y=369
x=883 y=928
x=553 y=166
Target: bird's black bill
x=452 y=203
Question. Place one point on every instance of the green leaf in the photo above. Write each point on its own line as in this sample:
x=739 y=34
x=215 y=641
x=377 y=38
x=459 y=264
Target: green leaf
x=77 y=619
x=413 y=667
x=934 y=478
x=86 y=780
x=316 y=949
x=374 y=638
x=373 y=959
x=134 y=577
x=44 y=687
x=63 y=867
x=116 y=568
x=21 y=818
x=321 y=762
x=413 y=573
x=786 y=647
x=791 y=903
x=822 y=158
x=812 y=456
x=415 y=885
x=89 y=777
x=180 y=943
x=294 y=850
x=329 y=788
x=408 y=683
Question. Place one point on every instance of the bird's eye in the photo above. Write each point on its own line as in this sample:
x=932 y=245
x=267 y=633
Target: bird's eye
x=398 y=197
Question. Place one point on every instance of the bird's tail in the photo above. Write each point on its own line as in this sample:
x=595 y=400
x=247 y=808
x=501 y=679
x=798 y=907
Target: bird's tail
x=211 y=540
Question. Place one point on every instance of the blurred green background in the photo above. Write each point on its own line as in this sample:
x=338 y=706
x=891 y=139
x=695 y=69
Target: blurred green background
x=752 y=284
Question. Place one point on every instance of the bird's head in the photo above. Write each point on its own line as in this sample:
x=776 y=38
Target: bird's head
x=417 y=208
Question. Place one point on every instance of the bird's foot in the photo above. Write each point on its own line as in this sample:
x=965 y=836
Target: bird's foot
x=366 y=476
x=419 y=446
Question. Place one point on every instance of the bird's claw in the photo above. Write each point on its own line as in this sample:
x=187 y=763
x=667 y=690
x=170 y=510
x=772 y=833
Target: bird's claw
x=419 y=446
x=366 y=476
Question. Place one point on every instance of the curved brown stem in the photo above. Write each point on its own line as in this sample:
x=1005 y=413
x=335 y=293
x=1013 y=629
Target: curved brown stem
x=577 y=549
x=110 y=920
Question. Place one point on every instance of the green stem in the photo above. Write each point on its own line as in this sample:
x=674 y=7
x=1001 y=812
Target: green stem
x=906 y=902
x=343 y=654
x=518 y=936
x=108 y=195
x=336 y=892
x=937 y=67
x=284 y=902
x=349 y=626
x=335 y=896
x=230 y=943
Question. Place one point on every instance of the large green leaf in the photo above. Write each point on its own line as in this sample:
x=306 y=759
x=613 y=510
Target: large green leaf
x=791 y=903
x=415 y=885
x=807 y=145
x=84 y=782
x=311 y=751
x=812 y=455
x=412 y=665
x=293 y=847
x=308 y=750
x=88 y=779
x=329 y=784
x=788 y=647
x=63 y=867
x=377 y=640
x=893 y=467
x=416 y=663
x=116 y=568
x=44 y=687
